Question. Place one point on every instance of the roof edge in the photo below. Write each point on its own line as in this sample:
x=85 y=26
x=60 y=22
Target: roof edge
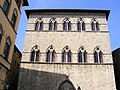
x=107 y=12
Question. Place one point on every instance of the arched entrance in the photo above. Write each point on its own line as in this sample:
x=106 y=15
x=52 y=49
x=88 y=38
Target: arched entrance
x=66 y=85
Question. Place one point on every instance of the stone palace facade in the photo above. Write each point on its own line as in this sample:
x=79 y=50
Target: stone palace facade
x=67 y=49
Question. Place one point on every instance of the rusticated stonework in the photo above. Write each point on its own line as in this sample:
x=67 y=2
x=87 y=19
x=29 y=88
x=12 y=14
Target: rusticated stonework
x=73 y=75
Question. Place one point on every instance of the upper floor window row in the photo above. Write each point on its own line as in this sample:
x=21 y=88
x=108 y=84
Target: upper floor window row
x=81 y=26
x=66 y=54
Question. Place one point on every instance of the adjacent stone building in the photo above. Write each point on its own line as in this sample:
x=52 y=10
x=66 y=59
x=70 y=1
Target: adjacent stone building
x=116 y=61
x=10 y=11
x=67 y=49
x=14 y=69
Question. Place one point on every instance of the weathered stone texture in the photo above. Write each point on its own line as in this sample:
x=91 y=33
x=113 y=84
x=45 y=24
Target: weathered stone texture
x=49 y=76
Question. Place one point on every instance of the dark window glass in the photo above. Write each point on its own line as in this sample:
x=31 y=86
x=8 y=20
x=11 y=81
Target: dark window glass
x=63 y=56
x=14 y=18
x=66 y=55
x=69 y=56
x=1 y=33
x=69 y=25
x=83 y=26
x=39 y=25
x=65 y=25
x=85 y=56
x=0 y=38
x=53 y=25
x=35 y=53
x=96 y=57
x=18 y=3
x=50 y=57
x=101 y=56
x=53 y=55
x=50 y=25
x=32 y=55
x=7 y=48
x=6 y=6
x=95 y=25
x=80 y=57
x=80 y=25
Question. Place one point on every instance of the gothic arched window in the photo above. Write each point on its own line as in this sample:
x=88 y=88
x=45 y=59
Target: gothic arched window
x=94 y=25
x=14 y=17
x=82 y=55
x=66 y=24
x=1 y=33
x=7 y=48
x=50 y=57
x=35 y=53
x=66 y=54
x=39 y=24
x=98 y=55
x=52 y=24
x=80 y=25
x=66 y=85
x=6 y=6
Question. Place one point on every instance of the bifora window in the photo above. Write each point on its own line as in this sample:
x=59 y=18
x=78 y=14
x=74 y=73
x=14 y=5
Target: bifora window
x=52 y=24
x=35 y=53
x=66 y=54
x=50 y=55
x=7 y=48
x=39 y=24
x=66 y=24
x=95 y=25
x=82 y=55
x=98 y=55
x=80 y=25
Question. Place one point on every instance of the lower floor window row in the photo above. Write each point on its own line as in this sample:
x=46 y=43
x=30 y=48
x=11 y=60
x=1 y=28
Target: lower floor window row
x=66 y=54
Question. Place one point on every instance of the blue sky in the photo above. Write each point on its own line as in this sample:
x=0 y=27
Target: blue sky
x=113 y=20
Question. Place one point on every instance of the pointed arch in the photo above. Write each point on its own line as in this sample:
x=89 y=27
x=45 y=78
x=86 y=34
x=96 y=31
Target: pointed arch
x=82 y=55
x=66 y=85
x=95 y=24
x=80 y=25
x=7 y=48
x=52 y=24
x=66 y=24
x=66 y=54
x=35 y=53
x=1 y=33
x=51 y=54
x=39 y=24
x=98 y=55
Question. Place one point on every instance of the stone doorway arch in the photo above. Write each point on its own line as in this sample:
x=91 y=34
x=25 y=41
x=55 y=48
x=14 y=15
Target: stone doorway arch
x=66 y=85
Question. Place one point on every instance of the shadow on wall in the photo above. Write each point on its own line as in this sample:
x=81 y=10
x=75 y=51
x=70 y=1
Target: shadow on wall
x=42 y=80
